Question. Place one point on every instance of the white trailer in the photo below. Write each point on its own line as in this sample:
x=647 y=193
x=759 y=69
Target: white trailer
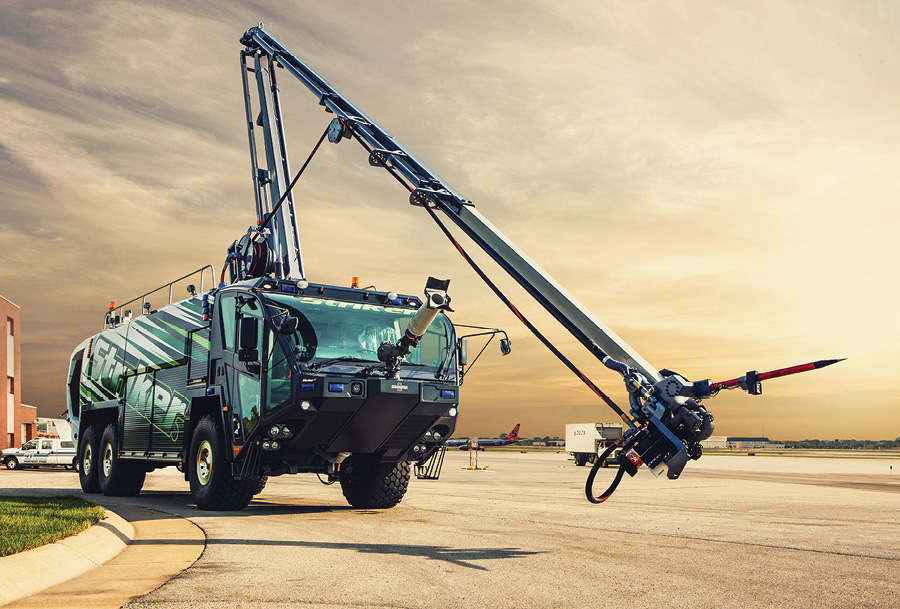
x=585 y=441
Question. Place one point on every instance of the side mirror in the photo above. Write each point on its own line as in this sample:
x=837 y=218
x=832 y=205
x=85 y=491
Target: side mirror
x=462 y=352
x=286 y=324
x=505 y=346
x=249 y=339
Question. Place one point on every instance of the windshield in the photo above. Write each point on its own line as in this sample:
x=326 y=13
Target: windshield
x=330 y=329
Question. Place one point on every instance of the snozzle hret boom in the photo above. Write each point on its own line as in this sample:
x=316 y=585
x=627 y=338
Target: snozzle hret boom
x=665 y=419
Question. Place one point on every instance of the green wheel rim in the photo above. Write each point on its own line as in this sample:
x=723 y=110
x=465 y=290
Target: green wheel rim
x=204 y=462
x=86 y=461
x=107 y=459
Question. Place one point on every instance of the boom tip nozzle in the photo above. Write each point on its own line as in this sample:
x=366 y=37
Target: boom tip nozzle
x=827 y=362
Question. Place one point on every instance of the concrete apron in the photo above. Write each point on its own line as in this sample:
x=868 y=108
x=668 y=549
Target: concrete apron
x=129 y=553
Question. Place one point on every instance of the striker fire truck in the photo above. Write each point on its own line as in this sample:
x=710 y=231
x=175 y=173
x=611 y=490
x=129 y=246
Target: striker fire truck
x=271 y=374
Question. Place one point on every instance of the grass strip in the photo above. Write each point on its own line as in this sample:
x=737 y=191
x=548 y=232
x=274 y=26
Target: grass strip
x=30 y=522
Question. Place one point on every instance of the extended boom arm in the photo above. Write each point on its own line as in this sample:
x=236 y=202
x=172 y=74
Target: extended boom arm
x=665 y=419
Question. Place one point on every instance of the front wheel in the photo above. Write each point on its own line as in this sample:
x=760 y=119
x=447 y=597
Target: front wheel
x=367 y=483
x=11 y=463
x=212 y=485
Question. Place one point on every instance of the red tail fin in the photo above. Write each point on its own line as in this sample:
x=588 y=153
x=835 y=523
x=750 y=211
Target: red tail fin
x=514 y=434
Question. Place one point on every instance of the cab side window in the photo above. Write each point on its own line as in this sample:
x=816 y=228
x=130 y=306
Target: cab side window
x=225 y=303
x=46 y=444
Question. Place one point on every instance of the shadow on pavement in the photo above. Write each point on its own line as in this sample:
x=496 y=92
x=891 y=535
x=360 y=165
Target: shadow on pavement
x=456 y=556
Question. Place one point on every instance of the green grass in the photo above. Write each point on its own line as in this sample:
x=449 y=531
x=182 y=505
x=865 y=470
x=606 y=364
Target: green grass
x=30 y=522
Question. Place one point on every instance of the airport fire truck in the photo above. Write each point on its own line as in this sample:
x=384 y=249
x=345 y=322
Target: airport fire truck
x=271 y=374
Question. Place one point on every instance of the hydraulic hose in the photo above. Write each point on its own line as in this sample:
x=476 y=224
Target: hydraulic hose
x=589 y=485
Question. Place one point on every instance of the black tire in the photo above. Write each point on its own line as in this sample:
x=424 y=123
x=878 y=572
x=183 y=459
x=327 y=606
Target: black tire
x=89 y=456
x=11 y=463
x=76 y=464
x=212 y=485
x=260 y=485
x=369 y=484
x=580 y=460
x=118 y=477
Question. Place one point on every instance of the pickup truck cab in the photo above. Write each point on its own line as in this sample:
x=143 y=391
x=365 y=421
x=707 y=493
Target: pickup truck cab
x=40 y=452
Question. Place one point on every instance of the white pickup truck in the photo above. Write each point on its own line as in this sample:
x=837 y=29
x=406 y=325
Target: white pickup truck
x=42 y=452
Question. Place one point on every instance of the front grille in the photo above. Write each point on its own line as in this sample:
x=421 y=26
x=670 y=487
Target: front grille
x=410 y=430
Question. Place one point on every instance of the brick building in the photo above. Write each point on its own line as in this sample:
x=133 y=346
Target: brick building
x=17 y=422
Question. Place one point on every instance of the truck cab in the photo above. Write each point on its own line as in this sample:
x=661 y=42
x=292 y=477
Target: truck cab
x=300 y=368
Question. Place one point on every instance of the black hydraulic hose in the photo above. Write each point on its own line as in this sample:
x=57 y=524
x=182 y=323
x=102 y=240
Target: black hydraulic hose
x=589 y=485
x=527 y=323
x=599 y=392
x=284 y=197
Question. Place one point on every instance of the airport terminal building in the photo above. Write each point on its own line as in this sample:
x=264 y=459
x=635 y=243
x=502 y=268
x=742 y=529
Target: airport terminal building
x=739 y=442
x=17 y=420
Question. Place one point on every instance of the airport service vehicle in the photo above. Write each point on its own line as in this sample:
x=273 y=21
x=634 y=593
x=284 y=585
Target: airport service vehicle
x=586 y=441
x=230 y=386
x=465 y=443
x=42 y=452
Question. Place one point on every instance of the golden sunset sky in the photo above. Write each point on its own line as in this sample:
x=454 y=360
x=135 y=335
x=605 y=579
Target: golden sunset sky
x=718 y=182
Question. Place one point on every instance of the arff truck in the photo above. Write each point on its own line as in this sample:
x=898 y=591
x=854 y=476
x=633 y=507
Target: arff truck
x=271 y=374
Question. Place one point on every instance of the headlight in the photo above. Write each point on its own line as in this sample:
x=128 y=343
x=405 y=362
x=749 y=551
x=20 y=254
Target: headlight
x=429 y=436
x=451 y=412
x=437 y=436
x=306 y=405
x=274 y=431
x=286 y=431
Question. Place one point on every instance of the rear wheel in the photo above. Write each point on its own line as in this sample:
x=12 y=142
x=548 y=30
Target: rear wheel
x=260 y=485
x=118 y=477
x=89 y=458
x=212 y=485
x=368 y=483
x=11 y=463
x=580 y=459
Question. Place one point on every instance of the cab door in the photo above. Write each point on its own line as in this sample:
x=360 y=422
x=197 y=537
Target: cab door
x=242 y=324
x=43 y=453
x=29 y=452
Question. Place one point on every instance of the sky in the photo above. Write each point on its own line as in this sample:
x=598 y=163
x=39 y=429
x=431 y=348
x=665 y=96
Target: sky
x=717 y=182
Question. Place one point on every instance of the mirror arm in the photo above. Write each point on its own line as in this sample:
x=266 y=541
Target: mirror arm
x=475 y=359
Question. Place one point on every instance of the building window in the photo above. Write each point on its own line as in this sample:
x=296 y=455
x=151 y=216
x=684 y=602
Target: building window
x=10 y=385
x=10 y=327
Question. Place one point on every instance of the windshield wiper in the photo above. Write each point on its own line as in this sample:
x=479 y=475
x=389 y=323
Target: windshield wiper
x=380 y=367
x=334 y=360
